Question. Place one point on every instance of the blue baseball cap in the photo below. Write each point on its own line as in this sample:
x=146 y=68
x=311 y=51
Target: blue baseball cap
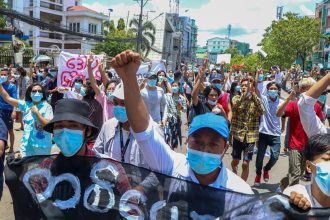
x=216 y=76
x=210 y=120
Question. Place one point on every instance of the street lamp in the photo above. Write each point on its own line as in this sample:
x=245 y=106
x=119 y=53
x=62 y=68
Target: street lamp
x=148 y=14
x=157 y=16
x=110 y=10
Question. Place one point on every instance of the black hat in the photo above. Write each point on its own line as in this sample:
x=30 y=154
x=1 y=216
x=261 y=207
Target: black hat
x=71 y=110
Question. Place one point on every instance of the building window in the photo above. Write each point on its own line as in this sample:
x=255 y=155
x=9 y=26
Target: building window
x=74 y=27
x=31 y=13
x=92 y=28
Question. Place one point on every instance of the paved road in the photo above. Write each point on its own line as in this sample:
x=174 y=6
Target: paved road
x=276 y=174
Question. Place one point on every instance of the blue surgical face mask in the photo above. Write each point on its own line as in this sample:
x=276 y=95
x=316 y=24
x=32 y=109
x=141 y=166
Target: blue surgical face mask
x=3 y=79
x=36 y=96
x=170 y=79
x=323 y=177
x=261 y=77
x=238 y=88
x=201 y=162
x=120 y=113
x=69 y=141
x=110 y=96
x=322 y=98
x=152 y=82
x=160 y=78
x=83 y=91
x=212 y=103
x=77 y=85
x=175 y=89
x=273 y=93
x=218 y=85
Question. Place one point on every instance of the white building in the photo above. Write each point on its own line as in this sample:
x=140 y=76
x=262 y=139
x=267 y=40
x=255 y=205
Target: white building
x=218 y=44
x=168 y=40
x=68 y=14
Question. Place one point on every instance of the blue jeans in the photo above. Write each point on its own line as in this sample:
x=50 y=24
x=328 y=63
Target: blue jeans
x=274 y=142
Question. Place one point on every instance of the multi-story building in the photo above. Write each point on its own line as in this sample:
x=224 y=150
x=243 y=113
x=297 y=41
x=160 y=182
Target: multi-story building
x=194 y=34
x=68 y=14
x=218 y=44
x=242 y=48
x=185 y=28
x=321 y=51
x=167 y=40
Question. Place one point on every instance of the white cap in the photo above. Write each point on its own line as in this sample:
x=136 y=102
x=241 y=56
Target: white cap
x=119 y=91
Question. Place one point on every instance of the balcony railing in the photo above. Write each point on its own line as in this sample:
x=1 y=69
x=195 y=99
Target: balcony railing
x=51 y=35
x=51 y=6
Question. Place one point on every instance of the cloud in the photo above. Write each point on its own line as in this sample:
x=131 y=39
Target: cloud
x=235 y=31
x=306 y=10
x=249 y=19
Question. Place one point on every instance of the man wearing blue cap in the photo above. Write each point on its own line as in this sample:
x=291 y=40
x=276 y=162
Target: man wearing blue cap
x=206 y=138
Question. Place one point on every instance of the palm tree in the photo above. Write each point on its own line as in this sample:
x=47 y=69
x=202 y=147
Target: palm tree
x=148 y=34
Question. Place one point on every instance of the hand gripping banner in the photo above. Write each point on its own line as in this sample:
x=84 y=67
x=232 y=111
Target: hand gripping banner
x=56 y=187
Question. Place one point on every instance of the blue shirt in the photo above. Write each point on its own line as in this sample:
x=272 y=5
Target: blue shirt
x=12 y=92
x=270 y=124
x=35 y=141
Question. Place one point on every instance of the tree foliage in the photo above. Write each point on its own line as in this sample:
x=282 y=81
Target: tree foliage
x=121 y=24
x=2 y=20
x=148 y=35
x=289 y=38
x=251 y=61
x=110 y=47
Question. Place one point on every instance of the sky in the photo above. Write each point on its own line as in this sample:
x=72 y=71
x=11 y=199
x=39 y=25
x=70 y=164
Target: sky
x=248 y=18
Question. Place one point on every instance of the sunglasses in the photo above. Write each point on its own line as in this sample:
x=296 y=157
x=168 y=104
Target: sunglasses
x=35 y=91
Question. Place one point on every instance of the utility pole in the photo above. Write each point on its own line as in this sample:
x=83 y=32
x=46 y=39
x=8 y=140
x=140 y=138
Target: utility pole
x=127 y=20
x=139 y=37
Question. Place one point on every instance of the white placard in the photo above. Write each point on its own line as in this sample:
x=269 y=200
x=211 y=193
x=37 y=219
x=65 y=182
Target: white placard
x=224 y=57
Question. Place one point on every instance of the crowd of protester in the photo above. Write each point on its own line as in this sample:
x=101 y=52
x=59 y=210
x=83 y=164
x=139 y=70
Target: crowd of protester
x=141 y=123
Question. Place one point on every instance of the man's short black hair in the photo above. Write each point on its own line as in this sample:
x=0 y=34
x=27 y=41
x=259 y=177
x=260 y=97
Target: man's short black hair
x=274 y=83
x=317 y=144
x=208 y=89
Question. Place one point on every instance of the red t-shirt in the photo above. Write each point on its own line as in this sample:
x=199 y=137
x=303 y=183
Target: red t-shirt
x=297 y=135
x=223 y=101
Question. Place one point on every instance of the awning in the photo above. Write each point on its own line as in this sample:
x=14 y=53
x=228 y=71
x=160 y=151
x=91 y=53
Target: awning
x=41 y=58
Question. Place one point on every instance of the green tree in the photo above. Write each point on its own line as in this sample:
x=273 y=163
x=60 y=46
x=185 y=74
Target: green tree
x=121 y=24
x=111 y=47
x=148 y=35
x=232 y=51
x=106 y=25
x=290 y=38
x=2 y=20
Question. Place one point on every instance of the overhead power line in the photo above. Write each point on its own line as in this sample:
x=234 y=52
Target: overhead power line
x=52 y=27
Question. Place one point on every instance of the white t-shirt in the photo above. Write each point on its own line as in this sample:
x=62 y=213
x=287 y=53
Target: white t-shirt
x=155 y=102
x=108 y=143
x=161 y=158
x=72 y=94
x=306 y=191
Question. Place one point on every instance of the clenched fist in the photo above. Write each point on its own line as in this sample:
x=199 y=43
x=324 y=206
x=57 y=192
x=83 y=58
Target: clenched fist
x=126 y=64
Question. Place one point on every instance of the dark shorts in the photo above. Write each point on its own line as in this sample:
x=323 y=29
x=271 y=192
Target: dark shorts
x=6 y=117
x=246 y=148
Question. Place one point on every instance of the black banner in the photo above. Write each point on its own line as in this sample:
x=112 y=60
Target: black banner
x=56 y=187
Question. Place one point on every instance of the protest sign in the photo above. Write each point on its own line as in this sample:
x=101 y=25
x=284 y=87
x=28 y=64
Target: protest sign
x=72 y=66
x=143 y=70
x=58 y=187
x=224 y=57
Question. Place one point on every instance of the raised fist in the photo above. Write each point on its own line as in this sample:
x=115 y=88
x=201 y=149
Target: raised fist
x=126 y=64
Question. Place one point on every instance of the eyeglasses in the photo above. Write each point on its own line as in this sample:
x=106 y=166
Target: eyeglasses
x=35 y=91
